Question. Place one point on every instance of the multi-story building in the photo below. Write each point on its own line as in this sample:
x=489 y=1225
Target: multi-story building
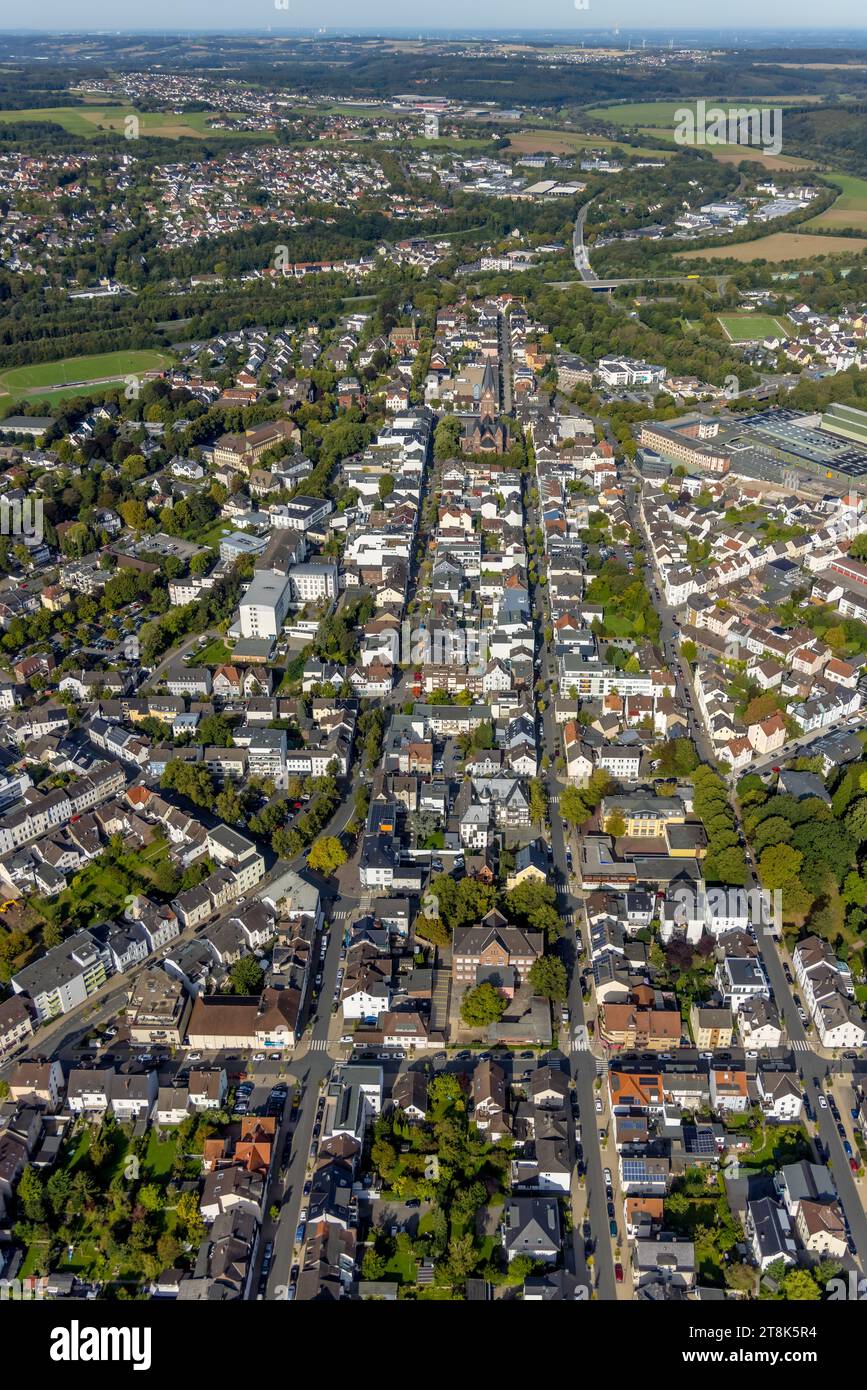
x=265 y=604
x=158 y=1009
x=494 y=946
x=65 y=976
x=711 y=1028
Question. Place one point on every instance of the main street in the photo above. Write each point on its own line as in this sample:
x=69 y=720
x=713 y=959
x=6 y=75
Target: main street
x=581 y=1062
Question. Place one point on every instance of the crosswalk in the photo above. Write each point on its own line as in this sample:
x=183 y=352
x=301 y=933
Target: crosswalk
x=317 y=1045
x=799 y=1044
x=343 y=913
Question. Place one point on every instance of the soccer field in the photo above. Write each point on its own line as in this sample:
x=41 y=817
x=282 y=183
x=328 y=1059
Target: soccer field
x=750 y=328
x=80 y=370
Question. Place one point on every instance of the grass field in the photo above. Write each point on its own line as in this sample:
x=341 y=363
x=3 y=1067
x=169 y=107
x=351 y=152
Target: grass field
x=656 y=120
x=662 y=113
x=850 y=209
x=780 y=246
x=750 y=328
x=79 y=370
x=93 y=120
x=734 y=154
x=46 y=399
x=216 y=653
x=568 y=142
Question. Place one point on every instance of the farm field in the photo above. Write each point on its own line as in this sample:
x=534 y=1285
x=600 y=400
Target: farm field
x=93 y=120
x=568 y=142
x=647 y=113
x=850 y=209
x=79 y=370
x=780 y=246
x=734 y=154
x=749 y=328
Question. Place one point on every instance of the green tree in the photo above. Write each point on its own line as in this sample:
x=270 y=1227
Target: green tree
x=246 y=976
x=482 y=1005
x=548 y=978
x=574 y=808
x=31 y=1195
x=779 y=865
x=326 y=855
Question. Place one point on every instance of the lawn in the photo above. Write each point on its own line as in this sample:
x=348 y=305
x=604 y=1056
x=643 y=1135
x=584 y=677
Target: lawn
x=102 y=887
x=216 y=653
x=774 y=1147
x=81 y=370
x=402 y=1266
x=750 y=328
x=214 y=534
x=160 y=1155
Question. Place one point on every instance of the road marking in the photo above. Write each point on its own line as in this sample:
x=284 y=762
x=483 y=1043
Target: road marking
x=800 y=1045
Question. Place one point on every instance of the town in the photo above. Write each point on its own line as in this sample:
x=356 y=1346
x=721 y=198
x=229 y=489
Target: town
x=433 y=708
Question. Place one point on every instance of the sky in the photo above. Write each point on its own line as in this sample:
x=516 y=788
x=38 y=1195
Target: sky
x=67 y=15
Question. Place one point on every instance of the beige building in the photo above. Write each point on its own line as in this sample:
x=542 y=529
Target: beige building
x=38 y=1083
x=645 y=816
x=711 y=1028
x=159 y=1007
x=221 y=1020
x=821 y=1229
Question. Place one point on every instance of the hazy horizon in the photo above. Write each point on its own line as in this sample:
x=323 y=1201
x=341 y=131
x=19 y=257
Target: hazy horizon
x=508 y=16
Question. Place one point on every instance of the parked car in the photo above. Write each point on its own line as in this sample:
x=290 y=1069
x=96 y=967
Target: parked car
x=618 y=1272
x=823 y=1104
x=612 y=1229
x=598 y=1103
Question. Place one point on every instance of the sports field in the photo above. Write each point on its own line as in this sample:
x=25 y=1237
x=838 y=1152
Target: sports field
x=752 y=328
x=75 y=371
